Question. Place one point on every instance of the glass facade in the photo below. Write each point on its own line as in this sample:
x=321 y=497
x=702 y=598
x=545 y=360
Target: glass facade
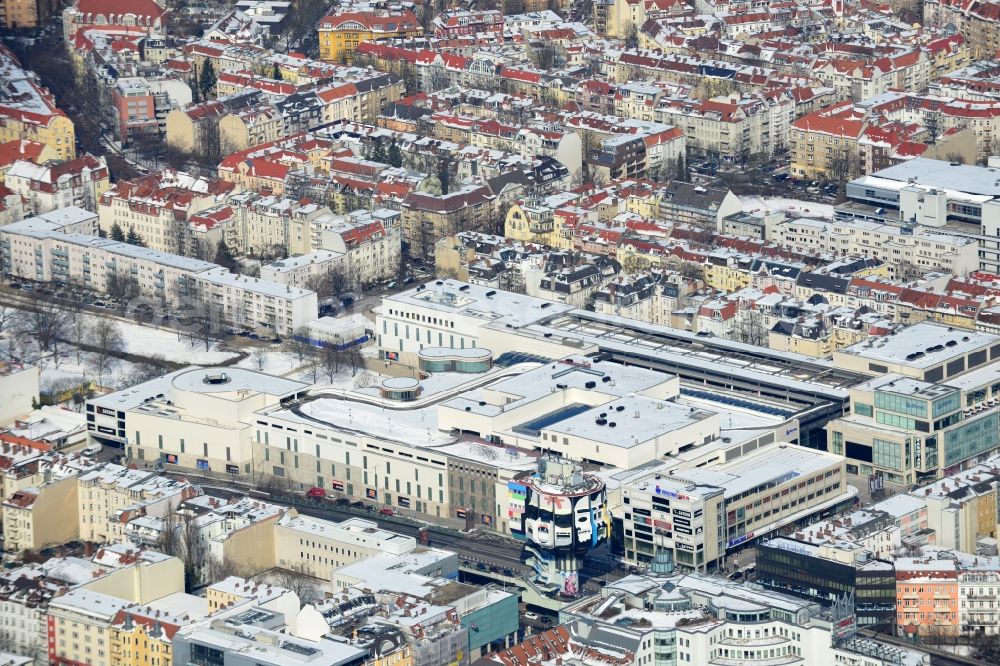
x=946 y=405
x=801 y=573
x=971 y=438
x=887 y=454
x=896 y=420
x=862 y=409
x=901 y=404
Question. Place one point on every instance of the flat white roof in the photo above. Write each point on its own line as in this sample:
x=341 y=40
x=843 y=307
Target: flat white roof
x=452 y=296
x=774 y=462
x=941 y=174
x=225 y=380
x=640 y=420
x=920 y=338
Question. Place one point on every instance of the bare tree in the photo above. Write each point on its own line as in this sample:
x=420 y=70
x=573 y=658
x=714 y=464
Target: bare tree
x=259 y=357
x=108 y=343
x=7 y=320
x=178 y=236
x=299 y=582
x=330 y=360
x=181 y=538
x=300 y=343
x=841 y=168
x=122 y=287
x=692 y=271
x=44 y=322
x=750 y=328
x=155 y=366
x=355 y=359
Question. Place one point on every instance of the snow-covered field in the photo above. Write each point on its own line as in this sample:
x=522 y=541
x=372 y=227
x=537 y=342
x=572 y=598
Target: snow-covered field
x=819 y=211
x=273 y=362
x=178 y=348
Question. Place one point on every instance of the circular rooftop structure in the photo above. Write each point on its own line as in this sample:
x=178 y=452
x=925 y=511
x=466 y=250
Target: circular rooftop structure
x=227 y=380
x=400 y=388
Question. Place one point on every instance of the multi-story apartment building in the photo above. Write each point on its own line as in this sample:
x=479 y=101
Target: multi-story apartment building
x=962 y=507
x=270 y=225
x=946 y=593
x=733 y=128
x=144 y=13
x=136 y=110
x=46 y=187
x=158 y=207
x=28 y=111
x=79 y=627
x=861 y=78
x=37 y=249
x=111 y=494
x=317 y=547
x=304 y=270
x=458 y=23
x=848 y=139
x=978 y=22
x=369 y=241
x=902 y=249
x=963 y=199
x=426 y=218
x=340 y=33
x=250 y=127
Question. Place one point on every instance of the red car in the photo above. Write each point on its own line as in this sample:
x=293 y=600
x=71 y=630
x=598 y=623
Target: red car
x=387 y=511
x=316 y=493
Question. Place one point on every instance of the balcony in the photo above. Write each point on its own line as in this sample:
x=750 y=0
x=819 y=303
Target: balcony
x=541 y=226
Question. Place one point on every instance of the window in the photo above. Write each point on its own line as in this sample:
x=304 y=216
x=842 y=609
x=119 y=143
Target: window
x=887 y=454
x=901 y=404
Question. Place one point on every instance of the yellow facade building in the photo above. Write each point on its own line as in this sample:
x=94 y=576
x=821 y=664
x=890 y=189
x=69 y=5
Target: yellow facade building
x=534 y=222
x=34 y=518
x=340 y=34
x=34 y=116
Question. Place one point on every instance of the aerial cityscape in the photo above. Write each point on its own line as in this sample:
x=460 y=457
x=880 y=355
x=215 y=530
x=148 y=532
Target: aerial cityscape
x=499 y=333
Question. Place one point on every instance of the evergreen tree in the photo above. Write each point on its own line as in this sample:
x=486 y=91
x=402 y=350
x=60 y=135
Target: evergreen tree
x=276 y=72
x=116 y=233
x=195 y=96
x=379 y=154
x=443 y=176
x=133 y=238
x=208 y=80
x=395 y=156
x=224 y=256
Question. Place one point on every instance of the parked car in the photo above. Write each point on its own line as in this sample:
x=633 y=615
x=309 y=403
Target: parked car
x=343 y=501
x=92 y=450
x=316 y=493
x=531 y=616
x=387 y=511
